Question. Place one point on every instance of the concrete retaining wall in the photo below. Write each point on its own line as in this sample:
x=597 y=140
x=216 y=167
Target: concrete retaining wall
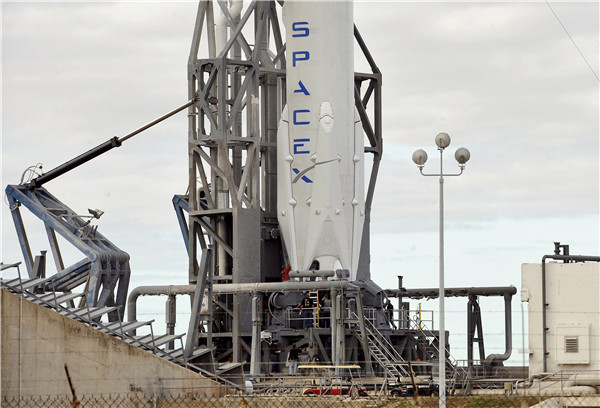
x=37 y=342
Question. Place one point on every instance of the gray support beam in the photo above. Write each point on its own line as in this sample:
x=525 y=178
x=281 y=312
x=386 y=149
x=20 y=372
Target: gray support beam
x=317 y=339
x=54 y=248
x=363 y=335
x=171 y=318
x=333 y=319
x=192 y=333
x=21 y=233
x=340 y=338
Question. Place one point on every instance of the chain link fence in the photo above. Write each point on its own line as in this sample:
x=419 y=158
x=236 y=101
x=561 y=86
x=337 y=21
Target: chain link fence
x=285 y=401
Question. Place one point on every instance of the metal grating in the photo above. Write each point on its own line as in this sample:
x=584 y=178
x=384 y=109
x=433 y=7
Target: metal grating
x=571 y=344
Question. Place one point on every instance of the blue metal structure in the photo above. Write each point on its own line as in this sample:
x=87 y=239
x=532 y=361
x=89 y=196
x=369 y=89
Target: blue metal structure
x=182 y=207
x=105 y=269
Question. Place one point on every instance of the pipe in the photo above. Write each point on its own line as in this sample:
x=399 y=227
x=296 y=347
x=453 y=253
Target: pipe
x=222 y=23
x=287 y=286
x=432 y=293
x=312 y=274
x=333 y=325
x=76 y=162
x=221 y=26
x=592 y=379
x=576 y=380
x=401 y=319
x=255 y=359
x=507 y=333
x=557 y=257
x=169 y=290
x=506 y=291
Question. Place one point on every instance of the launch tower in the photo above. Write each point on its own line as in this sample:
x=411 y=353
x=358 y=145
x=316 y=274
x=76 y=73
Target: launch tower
x=252 y=211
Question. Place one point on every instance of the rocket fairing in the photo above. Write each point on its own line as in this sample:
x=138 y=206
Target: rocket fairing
x=320 y=156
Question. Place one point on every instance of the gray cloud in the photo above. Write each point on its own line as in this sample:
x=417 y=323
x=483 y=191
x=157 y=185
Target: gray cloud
x=501 y=78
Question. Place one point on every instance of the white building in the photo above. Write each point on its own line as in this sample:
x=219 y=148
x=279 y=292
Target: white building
x=571 y=318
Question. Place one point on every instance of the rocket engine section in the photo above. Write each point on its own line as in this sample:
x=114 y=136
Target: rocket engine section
x=320 y=155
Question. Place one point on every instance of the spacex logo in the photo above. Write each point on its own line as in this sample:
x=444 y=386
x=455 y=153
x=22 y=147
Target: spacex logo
x=320 y=144
x=301 y=116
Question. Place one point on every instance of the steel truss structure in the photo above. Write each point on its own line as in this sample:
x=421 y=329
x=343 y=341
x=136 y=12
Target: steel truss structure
x=239 y=93
x=104 y=272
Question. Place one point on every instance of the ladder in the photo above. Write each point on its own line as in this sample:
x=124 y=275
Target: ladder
x=314 y=297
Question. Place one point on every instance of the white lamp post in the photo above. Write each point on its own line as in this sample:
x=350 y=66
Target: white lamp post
x=462 y=155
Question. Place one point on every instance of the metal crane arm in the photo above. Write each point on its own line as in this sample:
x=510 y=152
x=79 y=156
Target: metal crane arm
x=100 y=149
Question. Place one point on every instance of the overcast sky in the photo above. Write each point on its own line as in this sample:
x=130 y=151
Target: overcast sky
x=503 y=79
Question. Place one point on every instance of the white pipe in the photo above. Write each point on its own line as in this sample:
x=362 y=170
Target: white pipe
x=553 y=390
x=256 y=325
x=221 y=25
x=592 y=379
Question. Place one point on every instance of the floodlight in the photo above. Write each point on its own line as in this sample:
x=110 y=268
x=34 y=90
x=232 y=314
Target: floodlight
x=442 y=140
x=462 y=155
x=419 y=157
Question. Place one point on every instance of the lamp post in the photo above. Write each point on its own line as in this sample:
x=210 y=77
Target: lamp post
x=462 y=155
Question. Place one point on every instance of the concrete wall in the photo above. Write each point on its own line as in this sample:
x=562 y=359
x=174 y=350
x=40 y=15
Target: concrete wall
x=36 y=343
x=572 y=315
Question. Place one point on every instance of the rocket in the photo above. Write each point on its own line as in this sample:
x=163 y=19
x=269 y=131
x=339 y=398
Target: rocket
x=320 y=144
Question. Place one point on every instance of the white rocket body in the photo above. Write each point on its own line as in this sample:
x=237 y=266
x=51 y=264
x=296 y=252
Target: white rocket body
x=320 y=140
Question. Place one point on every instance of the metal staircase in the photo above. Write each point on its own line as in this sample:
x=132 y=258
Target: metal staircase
x=459 y=380
x=457 y=377
x=382 y=351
